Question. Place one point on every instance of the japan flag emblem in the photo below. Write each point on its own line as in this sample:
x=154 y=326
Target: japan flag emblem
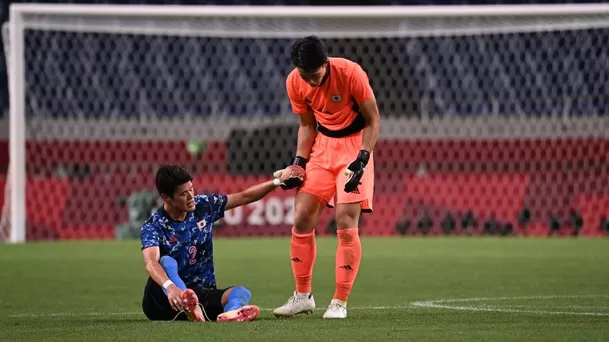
x=201 y=224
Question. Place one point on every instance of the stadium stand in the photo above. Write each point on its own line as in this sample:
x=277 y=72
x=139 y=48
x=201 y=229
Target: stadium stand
x=468 y=77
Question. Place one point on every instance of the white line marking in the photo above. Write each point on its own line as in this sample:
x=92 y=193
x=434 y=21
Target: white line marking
x=74 y=314
x=134 y=313
x=432 y=304
x=440 y=304
x=561 y=307
x=479 y=299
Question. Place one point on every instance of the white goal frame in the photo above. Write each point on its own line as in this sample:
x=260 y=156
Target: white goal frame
x=23 y=16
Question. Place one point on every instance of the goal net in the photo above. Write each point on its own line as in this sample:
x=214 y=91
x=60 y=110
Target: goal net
x=494 y=119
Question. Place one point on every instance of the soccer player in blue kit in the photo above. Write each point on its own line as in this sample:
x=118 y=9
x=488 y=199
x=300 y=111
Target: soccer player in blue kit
x=178 y=252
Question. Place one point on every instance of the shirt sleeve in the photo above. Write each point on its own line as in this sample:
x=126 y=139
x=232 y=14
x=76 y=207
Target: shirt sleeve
x=359 y=85
x=216 y=204
x=297 y=102
x=149 y=236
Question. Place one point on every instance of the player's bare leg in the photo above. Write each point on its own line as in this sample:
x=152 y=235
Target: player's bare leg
x=307 y=210
x=348 y=256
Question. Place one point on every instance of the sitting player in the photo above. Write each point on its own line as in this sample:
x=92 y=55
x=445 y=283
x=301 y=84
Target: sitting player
x=178 y=252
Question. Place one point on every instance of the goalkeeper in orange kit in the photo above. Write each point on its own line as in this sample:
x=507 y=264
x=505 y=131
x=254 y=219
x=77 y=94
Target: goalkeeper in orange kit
x=333 y=97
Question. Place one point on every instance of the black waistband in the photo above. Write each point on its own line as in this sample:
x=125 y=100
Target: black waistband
x=356 y=125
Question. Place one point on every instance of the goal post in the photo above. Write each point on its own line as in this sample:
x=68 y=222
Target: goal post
x=16 y=182
x=476 y=89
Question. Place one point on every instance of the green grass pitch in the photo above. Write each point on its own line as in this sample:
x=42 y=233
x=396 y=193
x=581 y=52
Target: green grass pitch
x=419 y=289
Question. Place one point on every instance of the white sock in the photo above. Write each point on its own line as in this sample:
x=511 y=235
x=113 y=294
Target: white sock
x=303 y=294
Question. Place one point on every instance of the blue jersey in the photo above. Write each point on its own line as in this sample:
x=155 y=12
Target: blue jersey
x=189 y=242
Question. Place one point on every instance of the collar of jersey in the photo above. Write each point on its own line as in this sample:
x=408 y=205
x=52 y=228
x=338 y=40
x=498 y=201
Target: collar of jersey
x=326 y=76
x=170 y=220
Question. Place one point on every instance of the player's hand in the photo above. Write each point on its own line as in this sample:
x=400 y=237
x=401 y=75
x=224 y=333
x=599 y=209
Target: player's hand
x=174 y=295
x=355 y=170
x=292 y=176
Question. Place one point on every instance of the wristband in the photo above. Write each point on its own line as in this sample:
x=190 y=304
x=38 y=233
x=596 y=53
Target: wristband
x=167 y=283
x=300 y=161
x=276 y=182
x=364 y=156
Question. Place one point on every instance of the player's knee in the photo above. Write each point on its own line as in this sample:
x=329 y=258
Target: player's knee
x=347 y=218
x=242 y=292
x=345 y=222
x=236 y=296
x=303 y=223
x=307 y=209
x=168 y=262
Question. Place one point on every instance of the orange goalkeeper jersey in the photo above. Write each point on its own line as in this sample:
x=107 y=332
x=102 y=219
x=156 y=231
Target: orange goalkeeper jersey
x=334 y=102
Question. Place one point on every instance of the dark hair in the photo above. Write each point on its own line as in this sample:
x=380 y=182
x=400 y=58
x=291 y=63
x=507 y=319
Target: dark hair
x=308 y=53
x=170 y=177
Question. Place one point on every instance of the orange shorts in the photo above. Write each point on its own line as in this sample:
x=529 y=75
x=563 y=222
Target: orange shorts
x=325 y=172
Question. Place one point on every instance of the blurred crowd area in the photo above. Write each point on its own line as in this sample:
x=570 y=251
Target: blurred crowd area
x=275 y=107
x=105 y=108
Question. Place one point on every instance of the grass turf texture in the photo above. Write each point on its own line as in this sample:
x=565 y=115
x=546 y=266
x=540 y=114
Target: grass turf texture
x=92 y=291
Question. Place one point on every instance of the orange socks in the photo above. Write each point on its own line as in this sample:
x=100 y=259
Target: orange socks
x=302 y=253
x=348 y=256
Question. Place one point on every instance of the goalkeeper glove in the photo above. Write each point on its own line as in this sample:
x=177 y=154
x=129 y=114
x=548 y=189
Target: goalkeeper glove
x=294 y=180
x=355 y=170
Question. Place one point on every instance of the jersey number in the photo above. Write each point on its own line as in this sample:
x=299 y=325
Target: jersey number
x=192 y=251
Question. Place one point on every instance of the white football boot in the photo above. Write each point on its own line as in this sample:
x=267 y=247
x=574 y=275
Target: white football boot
x=297 y=304
x=336 y=309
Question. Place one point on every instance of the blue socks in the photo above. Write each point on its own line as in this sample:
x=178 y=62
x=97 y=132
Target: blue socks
x=170 y=265
x=238 y=297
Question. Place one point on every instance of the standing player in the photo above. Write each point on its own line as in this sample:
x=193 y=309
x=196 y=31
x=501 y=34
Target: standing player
x=332 y=96
x=178 y=252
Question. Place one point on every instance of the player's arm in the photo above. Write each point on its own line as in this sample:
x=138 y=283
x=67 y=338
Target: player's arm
x=152 y=256
x=307 y=131
x=251 y=194
x=151 y=252
x=364 y=95
x=370 y=111
x=362 y=92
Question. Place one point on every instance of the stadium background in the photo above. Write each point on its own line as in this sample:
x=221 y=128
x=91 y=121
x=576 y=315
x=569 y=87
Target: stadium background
x=427 y=183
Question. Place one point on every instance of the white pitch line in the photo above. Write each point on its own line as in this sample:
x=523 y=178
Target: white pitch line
x=561 y=307
x=437 y=304
x=76 y=314
x=432 y=304
x=480 y=299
